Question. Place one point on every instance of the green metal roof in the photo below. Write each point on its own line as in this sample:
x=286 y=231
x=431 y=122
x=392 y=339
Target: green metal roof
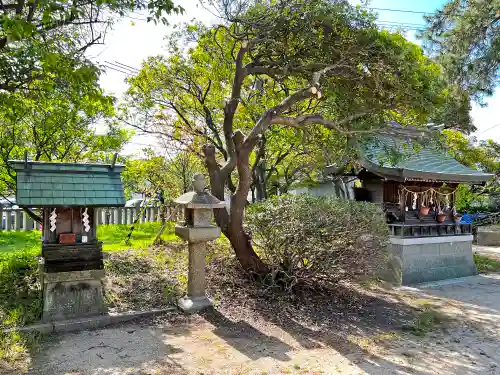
x=415 y=162
x=41 y=184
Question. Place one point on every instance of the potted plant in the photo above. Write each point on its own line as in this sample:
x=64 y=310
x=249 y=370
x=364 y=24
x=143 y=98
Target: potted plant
x=424 y=210
x=424 y=206
x=456 y=216
x=441 y=216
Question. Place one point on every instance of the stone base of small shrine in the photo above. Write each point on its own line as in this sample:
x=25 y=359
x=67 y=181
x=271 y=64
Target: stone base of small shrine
x=428 y=259
x=75 y=294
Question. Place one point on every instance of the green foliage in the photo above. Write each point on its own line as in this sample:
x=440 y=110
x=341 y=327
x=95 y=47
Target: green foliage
x=15 y=348
x=465 y=36
x=469 y=200
x=315 y=241
x=50 y=98
x=56 y=126
x=156 y=173
x=183 y=97
x=20 y=290
x=486 y=264
x=484 y=155
x=18 y=241
x=44 y=41
x=425 y=321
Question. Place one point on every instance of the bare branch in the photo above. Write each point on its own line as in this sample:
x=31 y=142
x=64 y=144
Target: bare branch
x=232 y=104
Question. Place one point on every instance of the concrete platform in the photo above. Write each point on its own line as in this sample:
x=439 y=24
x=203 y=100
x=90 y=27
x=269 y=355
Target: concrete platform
x=428 y=259
x=488 y=236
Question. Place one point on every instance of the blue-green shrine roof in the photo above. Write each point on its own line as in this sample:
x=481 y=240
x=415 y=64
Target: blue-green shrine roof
x=415 y=161
x=45 y=184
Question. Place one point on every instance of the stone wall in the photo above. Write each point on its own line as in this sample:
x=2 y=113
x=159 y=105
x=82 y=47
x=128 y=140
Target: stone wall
x=488 y=236
x=434 y=258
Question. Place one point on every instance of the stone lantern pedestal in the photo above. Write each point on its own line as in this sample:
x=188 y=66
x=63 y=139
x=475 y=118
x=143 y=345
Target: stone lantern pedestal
x=197 y=230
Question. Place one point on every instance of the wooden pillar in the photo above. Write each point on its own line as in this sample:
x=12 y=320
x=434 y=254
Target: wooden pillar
x=402 y=203
x=93 y=220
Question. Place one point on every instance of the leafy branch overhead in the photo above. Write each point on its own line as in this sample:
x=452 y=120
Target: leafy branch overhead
x=465 y=36
x=44 y=40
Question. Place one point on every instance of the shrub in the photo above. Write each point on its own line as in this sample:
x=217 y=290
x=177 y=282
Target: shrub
x=20 y=290
x=315 y=241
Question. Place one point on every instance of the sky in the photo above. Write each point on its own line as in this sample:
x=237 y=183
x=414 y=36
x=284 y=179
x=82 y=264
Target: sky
x=133 y=39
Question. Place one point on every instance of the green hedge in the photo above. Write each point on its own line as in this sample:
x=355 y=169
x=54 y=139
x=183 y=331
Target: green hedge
x=317 y=240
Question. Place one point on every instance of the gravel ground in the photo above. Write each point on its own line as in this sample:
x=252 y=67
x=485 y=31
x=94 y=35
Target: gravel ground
x=236 y=339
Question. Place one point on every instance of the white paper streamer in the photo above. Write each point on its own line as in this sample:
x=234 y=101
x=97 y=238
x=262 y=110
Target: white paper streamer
x=52 y=219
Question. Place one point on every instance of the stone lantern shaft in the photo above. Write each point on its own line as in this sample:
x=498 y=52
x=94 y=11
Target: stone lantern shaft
x=197 y=229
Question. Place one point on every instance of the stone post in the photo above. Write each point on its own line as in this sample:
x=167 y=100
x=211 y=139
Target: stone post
x=197 y=230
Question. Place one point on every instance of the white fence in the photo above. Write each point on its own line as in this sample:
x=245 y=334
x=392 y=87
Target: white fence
x=15 y=219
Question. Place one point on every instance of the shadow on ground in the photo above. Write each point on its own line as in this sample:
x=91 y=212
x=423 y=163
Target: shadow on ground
x=448 y=329
x=351 y=330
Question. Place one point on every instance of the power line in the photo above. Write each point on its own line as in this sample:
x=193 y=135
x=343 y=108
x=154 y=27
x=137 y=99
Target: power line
x=402 y=23
x=117 y=70
x=136 y=18
x=401 y=10
x=484 y=131
x=127 y=66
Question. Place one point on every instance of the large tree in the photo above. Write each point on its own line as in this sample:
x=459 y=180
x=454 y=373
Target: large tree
x=466 y=36
x=56 y=126
x=314 y=66
x=47 y=39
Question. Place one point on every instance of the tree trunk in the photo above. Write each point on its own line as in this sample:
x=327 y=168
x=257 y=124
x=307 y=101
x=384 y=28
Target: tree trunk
x=242 y=246
x=231 y=224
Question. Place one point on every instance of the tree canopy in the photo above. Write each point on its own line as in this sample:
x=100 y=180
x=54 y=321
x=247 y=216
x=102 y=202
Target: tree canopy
x=156 y=174
x=315 y=75
x=43 y=40
x=50 y=98
x=55 y=126
x=466 y=37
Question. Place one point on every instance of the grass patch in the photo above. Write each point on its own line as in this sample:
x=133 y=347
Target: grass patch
x=20 y=304
x=425 y=321
x=15 y=349
x=20 y=297
x=14 y=241
x=485 y=264
x=114 y=236
x=145 y=278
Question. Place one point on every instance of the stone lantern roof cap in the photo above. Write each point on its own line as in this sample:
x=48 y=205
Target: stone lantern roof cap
x=204 y=199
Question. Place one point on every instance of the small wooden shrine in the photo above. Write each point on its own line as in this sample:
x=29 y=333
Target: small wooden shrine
x=72 y=263
x=417 y=191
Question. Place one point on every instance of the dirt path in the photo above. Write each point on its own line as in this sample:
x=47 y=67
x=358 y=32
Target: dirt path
x=215 y=344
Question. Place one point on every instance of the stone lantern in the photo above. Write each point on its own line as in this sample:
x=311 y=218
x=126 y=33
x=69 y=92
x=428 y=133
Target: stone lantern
x=197 y=229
